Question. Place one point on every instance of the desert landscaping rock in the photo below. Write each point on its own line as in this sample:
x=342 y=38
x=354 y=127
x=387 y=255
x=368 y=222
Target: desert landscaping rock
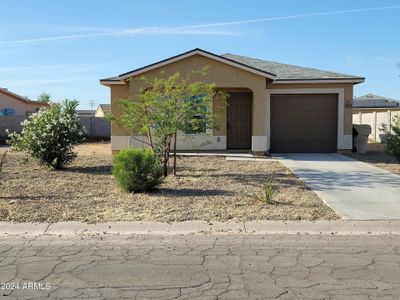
x=206 y=188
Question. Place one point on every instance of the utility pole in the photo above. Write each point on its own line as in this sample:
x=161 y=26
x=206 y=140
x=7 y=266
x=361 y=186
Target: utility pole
x=92 y=104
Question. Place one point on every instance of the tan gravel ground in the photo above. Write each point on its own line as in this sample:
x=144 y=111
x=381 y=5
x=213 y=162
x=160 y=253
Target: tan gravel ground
x=206 y=188
x=377 y=156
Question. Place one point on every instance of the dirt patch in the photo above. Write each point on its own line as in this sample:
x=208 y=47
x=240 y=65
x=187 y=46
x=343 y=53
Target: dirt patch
x=206 y=188
x=377 y=156
x=99 y=148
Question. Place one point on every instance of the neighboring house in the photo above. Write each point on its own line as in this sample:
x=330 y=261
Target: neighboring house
x=95 y=127
x=375 y=110
x=12 y=104
x=85 y=112
x=373 y=102
x=273 y=107
x=102 y=110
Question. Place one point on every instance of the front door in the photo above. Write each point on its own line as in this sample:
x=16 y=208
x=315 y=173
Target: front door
x=239 y=121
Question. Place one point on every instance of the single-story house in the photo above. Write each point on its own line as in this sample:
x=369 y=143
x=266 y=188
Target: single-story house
x=102 y=110
x=273 y=107
x=374 y=110
x=12 y=104
x=371 y=102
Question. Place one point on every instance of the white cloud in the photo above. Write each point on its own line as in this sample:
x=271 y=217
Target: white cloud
x=290 y=17
x=65 y=68
x=30 y=82
x=199 y=29
x=119 y=33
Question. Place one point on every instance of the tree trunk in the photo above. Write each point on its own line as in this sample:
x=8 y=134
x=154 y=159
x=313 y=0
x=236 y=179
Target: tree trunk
x=165 y=168
x=165 y=162
x=175 y=154
x=167 y=148
x=150 y=138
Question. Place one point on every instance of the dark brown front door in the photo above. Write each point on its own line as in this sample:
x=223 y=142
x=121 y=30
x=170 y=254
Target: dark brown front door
x=239 y=121
x=304 y=123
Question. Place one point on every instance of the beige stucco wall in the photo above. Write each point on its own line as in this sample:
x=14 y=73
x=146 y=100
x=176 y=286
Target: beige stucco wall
x=99 y=113
x=118 y=92
x=348 y=97
x=224 y=76
x=228 y=79
x=21 y=108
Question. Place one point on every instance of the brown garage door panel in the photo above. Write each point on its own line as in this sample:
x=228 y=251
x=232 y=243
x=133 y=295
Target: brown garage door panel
x=292 y=147
x=304 y=123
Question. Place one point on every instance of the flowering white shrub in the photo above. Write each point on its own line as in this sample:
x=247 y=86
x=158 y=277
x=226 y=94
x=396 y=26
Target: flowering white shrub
x=50 y=134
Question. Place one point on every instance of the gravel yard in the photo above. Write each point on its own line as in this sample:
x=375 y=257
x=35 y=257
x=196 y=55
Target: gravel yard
x=206 y=188
x=377 y=156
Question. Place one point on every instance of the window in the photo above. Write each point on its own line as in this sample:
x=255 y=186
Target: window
x=7 y=112
x=198 y=123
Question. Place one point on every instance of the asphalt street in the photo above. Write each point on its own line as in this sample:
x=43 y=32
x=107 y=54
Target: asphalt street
x=200 y=267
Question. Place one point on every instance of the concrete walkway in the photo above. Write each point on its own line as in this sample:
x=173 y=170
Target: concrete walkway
x=355 y=190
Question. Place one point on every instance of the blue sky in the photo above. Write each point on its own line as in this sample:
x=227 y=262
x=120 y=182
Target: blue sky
x=65 y=47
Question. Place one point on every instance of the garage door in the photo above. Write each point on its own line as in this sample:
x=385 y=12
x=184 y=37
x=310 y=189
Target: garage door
x=304 y=123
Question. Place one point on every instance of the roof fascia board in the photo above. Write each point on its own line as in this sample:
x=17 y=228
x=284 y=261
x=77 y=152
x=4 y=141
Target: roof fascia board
x=112 y=82
x=376 y=108
x=199 y=52
x=341 y=80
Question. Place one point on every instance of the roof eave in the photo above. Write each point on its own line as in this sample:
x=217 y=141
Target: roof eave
x=376 y=107
x=23 y=99
x=40 y=103
x=319 y=80
x=108 y=82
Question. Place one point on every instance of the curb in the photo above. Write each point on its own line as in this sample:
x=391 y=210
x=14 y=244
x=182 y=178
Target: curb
x=343 y=227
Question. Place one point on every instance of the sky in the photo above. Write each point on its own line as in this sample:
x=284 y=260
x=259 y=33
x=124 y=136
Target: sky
x=65 y=47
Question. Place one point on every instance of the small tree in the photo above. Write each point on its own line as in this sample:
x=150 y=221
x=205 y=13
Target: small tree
x=166 y=106
x=44 y=97
x=50 y=134
x=392 y=140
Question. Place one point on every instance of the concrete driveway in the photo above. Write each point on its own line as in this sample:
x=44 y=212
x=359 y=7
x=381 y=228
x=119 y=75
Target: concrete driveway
x=355 y=190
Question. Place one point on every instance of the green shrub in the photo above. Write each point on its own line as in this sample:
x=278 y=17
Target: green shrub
x=137 y=170
x=392 y=140
x=50 y=134
x=269 y=189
